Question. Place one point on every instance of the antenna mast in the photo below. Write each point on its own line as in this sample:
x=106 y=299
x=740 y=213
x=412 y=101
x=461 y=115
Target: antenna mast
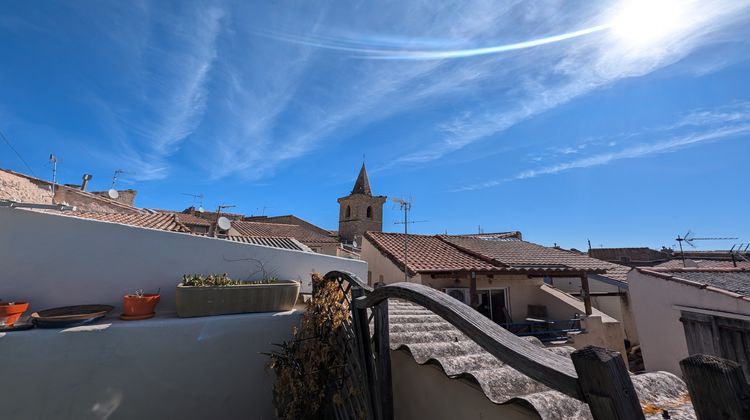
x=53 y=161
x=118 y=172
x=689 y=240
x=199 y=198
x=217 y=225
x=405 y=207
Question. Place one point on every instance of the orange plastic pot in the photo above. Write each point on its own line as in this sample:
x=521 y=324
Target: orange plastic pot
x=134 y=305
x=11 y=311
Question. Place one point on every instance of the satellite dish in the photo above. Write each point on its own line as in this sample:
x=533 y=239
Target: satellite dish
x=224 y=223
x=354 y=243
x=201 y=210
x=113 y=194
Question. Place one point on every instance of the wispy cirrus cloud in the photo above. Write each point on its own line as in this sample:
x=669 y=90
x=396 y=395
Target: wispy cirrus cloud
x=700 y=126
x=321 y=98
x=168 y=59
x=572 y=70
x=203 y=87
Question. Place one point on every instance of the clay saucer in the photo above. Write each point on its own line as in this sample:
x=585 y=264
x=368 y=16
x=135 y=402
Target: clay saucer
x=136 y=317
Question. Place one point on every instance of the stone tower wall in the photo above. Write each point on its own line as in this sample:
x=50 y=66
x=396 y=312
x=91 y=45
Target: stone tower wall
x=353 y=227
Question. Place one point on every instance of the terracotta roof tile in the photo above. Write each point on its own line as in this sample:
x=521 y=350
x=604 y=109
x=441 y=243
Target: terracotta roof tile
x=524 y=254
x=736 y=281
x=702 y=264
x=189 y=219
x=642 y=254
x=306 y=236
x=161 y=221
x=470 y=253
x=426 y=253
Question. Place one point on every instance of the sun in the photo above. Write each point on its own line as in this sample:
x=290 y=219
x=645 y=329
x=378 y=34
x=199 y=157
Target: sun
x=643 y=22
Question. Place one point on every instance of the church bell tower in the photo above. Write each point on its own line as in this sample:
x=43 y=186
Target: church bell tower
x=360 y=211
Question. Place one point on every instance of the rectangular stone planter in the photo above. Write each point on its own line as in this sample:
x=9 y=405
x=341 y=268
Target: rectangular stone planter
x=221 y=300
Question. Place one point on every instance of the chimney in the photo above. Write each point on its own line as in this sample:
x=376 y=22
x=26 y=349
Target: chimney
x=85 y=182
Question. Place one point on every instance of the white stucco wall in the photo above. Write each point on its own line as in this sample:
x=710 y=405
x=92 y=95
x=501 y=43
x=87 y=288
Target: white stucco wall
x=380 y=265
x=661 y=333
x=161 y=368
x=425 y=392
x=52 y=260
x=617 y=307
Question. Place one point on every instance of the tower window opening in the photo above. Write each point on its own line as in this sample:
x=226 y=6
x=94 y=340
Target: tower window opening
x=369 y=212
x=348 y=212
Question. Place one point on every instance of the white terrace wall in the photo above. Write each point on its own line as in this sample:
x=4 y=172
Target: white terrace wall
x=425 y=392
x=52 y=260
x=662 y=335
x=161 y=368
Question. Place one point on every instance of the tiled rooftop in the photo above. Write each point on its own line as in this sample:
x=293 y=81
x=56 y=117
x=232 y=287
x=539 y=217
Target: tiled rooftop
x=426 y=253
x=702 y=264
x=523 y=254
x=306 y=236
x=641 y=254
x=429 y=338
x=472 y=253
x=192 y=220
x=734 y=280
x=275 y=242
x=161 y=221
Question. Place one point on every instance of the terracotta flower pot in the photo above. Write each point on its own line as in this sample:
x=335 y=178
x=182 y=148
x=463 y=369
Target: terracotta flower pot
x=11 y=311
x=134 y=305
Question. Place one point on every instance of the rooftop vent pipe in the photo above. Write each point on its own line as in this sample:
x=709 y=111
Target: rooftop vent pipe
x=86 y=179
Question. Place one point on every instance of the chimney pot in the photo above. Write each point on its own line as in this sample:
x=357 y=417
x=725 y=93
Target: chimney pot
x=86 y=179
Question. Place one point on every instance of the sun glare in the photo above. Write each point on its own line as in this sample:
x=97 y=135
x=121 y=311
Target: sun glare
x=643 y=22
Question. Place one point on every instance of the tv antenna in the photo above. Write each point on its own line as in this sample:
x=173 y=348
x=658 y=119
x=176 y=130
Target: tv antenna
x=116 y=175
x=406 y=208
x=688 y=239
x=739 y=253
x=53 y=162
x=199 y=199
x=262 y=210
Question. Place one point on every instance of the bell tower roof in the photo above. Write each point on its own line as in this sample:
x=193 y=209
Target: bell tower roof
x=362 y=186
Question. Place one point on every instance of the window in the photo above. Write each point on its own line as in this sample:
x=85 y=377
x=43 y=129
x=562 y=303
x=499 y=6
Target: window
x=369 y=212
x=348 y=212
x=493 y=303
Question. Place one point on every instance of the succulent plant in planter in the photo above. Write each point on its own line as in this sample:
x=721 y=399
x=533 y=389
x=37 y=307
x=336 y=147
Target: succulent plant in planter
x=217 y=294
x=139 y=305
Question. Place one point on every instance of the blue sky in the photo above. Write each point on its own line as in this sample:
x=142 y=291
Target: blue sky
x=623 y=122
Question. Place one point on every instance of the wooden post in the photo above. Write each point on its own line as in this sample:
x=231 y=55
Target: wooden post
x=606 y=385
x=586 y=293
x=717 y=387
x=473 y=298
x=383 y=361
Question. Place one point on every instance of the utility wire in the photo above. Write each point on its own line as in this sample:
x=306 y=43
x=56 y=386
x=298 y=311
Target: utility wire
x=17 y=154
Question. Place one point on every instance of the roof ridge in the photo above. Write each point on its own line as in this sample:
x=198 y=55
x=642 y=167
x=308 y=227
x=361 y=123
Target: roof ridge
x=264 y=223
x=474 y=254
x=697 y=269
